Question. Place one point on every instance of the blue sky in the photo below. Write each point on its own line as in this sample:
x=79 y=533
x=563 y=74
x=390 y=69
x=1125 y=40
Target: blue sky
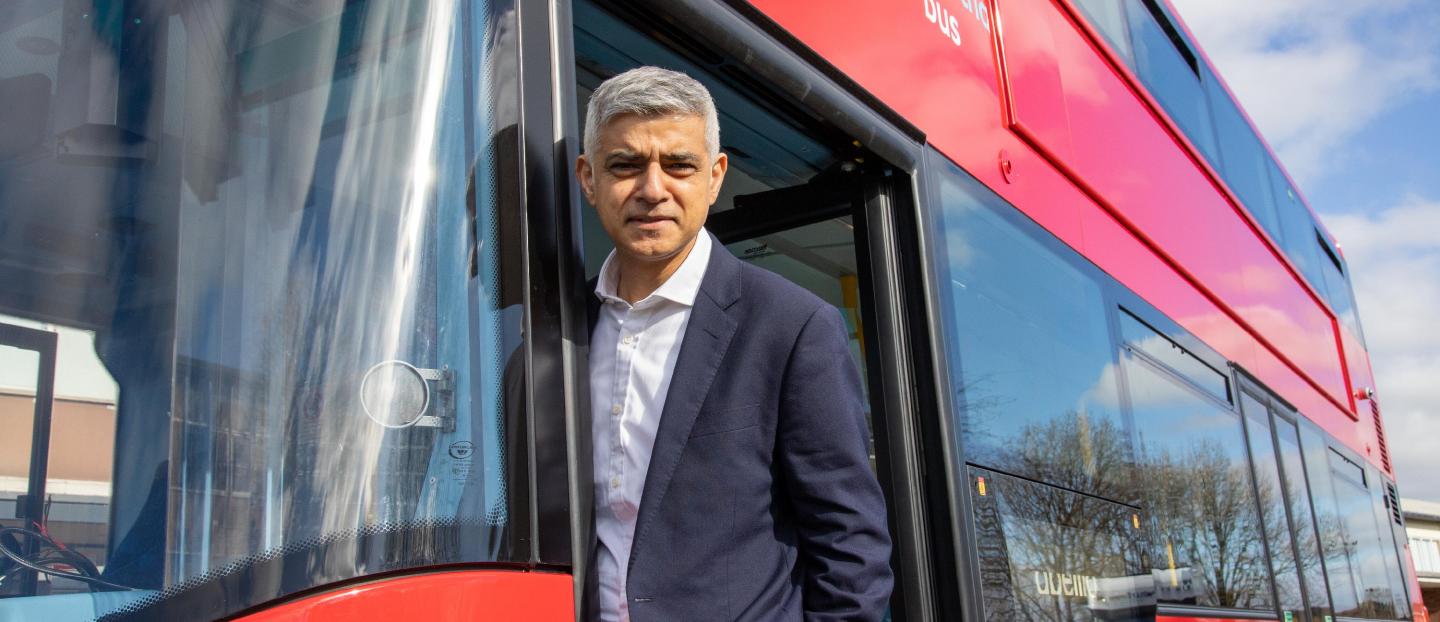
x=1348 y=95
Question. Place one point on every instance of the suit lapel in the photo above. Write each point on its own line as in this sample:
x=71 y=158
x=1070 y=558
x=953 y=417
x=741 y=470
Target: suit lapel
x=707 y=339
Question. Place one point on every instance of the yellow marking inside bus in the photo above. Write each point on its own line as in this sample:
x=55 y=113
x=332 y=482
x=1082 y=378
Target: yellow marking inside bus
x=1174 y=576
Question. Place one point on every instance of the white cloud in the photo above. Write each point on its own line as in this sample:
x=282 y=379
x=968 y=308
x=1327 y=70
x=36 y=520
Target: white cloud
x=1312 y=73
x=1395 y=257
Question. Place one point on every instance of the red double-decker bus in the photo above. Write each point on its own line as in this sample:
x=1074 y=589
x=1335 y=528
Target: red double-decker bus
x=292 y=306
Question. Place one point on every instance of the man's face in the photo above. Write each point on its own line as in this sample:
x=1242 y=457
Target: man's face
x=652 y=182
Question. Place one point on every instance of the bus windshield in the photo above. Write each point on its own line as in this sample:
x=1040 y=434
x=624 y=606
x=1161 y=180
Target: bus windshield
x=258 y=298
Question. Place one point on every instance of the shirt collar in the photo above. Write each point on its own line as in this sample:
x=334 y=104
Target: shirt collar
x=682 y=286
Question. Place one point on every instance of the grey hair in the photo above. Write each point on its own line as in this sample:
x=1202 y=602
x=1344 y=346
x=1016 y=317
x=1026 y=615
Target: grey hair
x=650 y=92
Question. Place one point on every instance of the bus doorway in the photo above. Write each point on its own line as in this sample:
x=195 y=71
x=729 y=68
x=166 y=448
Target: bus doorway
x=793 y=198
x=810 y=202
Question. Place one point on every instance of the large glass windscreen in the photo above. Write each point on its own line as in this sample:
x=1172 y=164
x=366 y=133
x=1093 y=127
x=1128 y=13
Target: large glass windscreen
x=271 y=240
x=1052 y=554
x=1027 y=343
x=1194 y=481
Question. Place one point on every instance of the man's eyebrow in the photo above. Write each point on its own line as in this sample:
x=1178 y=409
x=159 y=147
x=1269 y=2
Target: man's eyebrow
x=680 y=156
x=621 y=154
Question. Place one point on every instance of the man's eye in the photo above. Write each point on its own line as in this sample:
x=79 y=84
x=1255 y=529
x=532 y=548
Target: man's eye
x=681 y=168
x=624 y=168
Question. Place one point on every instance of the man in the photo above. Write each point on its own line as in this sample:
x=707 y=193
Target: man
x=731 y=474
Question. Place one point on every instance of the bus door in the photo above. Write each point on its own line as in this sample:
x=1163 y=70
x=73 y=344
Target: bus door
x=801 y=198
x=27 y=382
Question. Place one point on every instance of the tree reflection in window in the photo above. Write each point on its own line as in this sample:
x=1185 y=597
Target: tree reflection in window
x=1028 y=341
x=1195 y=484
x=1048 y=553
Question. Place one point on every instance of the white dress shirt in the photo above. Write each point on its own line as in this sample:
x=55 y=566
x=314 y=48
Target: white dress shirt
x=632 y=356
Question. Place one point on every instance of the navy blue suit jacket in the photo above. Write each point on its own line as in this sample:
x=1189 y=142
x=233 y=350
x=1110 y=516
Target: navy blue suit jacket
x=760 y=503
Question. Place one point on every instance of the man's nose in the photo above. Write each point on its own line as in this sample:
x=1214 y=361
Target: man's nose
x=652 y=184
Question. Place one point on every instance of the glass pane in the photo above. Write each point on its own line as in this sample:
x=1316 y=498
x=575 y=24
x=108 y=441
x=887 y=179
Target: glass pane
x=1052 y=554
x=19 y=372
x=1246 y=163
x=20 y=381
x=1150 y=341
x=1361 y=535
x=1386 y=548
x=1337 y=288
x=1028 y=347
x=1109 y=18
x=1298 y=231
x=273 y=231
x=1335 y=542
x=1171 y=77
x=1195 y=486
x=1297 y=492
x=1272 y=505
x=79 y=456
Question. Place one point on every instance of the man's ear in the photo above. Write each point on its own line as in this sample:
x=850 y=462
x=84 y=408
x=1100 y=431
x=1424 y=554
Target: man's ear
x=585 y=174
x=717 y=175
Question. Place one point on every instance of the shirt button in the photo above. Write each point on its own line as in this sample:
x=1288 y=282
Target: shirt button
x=615 y=410
x=628 y=340
x=614 y=482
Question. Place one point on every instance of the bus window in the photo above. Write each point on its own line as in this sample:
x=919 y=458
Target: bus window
x=1052 y=554
x=78 y=415
x=1298 y=231
x=1196 y=487
x=1274 y=518
x=287 y=291
x=1109 y=18
x=1337 y=287
x=1307 y=542
x=1171 y=72
x=1027 y=343
x=1391 y=543
x=1352 y=539
x=1330 y=527
x=1245 y=162
x=1163 y=350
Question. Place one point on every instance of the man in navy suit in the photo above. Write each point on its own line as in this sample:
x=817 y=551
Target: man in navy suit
x=732 y=480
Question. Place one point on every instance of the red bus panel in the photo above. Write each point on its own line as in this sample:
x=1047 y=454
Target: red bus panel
x=1070 y=128
x=438 y=597
x=1127 y=156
